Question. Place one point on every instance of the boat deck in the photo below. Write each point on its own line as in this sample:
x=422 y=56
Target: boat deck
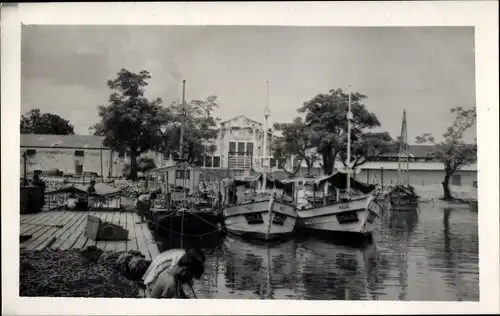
x=72 y=233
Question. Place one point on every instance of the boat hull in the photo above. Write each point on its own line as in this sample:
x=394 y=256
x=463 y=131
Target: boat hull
x=253 y=220
x=403 y=199
x=353 y=217
x=189 y=224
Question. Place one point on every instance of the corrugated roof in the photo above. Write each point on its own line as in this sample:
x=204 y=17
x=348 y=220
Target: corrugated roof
x=64 y=141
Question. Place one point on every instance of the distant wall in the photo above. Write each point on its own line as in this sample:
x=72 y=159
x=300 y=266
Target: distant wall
x=418 y=177
x=66 y=160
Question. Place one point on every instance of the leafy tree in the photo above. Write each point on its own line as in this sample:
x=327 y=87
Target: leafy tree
x=130 y=122
x=33 y=122
x=326 y=117
x=200 y=129
x=295 y=141
x=97 y=129
x=366 y=146
x=452 y=150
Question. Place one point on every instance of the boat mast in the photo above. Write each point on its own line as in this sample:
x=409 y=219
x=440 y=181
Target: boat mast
x=348 y=162
x=266 y=115
x=403 y=151
x=181 y=153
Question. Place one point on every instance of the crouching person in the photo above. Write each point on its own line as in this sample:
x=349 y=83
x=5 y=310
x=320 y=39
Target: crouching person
x=181 y=269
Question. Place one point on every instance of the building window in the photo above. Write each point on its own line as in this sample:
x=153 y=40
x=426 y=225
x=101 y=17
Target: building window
x=456 y=179
x=79 y=153
x=241 y=148
x=208 y=161
x=474 y=184
x=250 y=149
x=179 y=174
x=216 y=162
x=232 y=148
x=31 y=152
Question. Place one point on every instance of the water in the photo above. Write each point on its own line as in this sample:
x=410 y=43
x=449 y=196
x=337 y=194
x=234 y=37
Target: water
x=430 y=255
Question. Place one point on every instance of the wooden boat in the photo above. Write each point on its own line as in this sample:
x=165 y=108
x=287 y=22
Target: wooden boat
x=261 y=215
x=351 y=211
x=264 y=215
x=402 y=197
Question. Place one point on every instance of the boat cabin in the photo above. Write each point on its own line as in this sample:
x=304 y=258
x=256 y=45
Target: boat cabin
x=316 y=191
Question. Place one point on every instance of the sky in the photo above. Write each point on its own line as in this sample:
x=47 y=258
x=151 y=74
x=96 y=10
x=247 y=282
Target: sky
x=423 y=70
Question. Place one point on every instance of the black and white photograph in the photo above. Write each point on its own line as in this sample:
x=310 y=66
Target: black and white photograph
x=251 y=162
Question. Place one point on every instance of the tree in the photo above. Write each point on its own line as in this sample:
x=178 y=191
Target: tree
x=143 y=164
x=200 y=129
x=33 y=122
x=97 y=129
x=366 y=146
x=130 y=122
x=326 y=116
x=295 y=141
x=452 y=151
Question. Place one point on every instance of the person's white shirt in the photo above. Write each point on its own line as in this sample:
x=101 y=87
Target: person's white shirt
x=166 y=259
x=71 y=203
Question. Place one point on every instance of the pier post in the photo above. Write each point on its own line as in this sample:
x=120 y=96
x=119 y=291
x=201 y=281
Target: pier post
x=382 y=177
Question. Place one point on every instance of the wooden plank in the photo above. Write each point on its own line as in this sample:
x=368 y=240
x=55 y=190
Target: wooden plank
x=82 y=239
x=150 y=241
x=38 y=231
x=73 y=236
x=141 y=239
x=132 y=242
x=32 y=218
x=123 y=222
x=43 y=220
x=62 y=233
x=69 y=229
x=43 y=232
x=63 y=220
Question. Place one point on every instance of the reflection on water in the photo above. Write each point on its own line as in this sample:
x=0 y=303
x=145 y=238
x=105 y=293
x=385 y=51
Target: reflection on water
x=431 y=254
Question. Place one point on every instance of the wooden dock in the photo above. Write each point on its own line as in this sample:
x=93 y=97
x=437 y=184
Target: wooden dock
x=72 y=233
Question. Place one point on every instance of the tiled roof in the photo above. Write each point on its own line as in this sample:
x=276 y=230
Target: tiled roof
x=61 y=141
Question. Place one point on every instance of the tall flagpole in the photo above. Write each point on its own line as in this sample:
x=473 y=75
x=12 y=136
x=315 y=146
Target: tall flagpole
x=349 y=118
x=266 y=115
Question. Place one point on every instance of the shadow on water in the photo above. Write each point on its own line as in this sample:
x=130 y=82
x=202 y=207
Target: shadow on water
x=207 y=242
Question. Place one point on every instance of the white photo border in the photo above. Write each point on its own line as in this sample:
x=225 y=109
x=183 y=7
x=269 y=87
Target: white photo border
x=483 y=15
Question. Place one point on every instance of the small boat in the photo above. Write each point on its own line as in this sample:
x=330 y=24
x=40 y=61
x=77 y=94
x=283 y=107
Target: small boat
x=402 y=197
x=352 y=211
x=260 y=215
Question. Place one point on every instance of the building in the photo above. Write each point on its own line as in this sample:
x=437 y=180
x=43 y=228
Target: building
x=240 y=148
x=423 y=170
x=239 y=152
x=70 y=154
